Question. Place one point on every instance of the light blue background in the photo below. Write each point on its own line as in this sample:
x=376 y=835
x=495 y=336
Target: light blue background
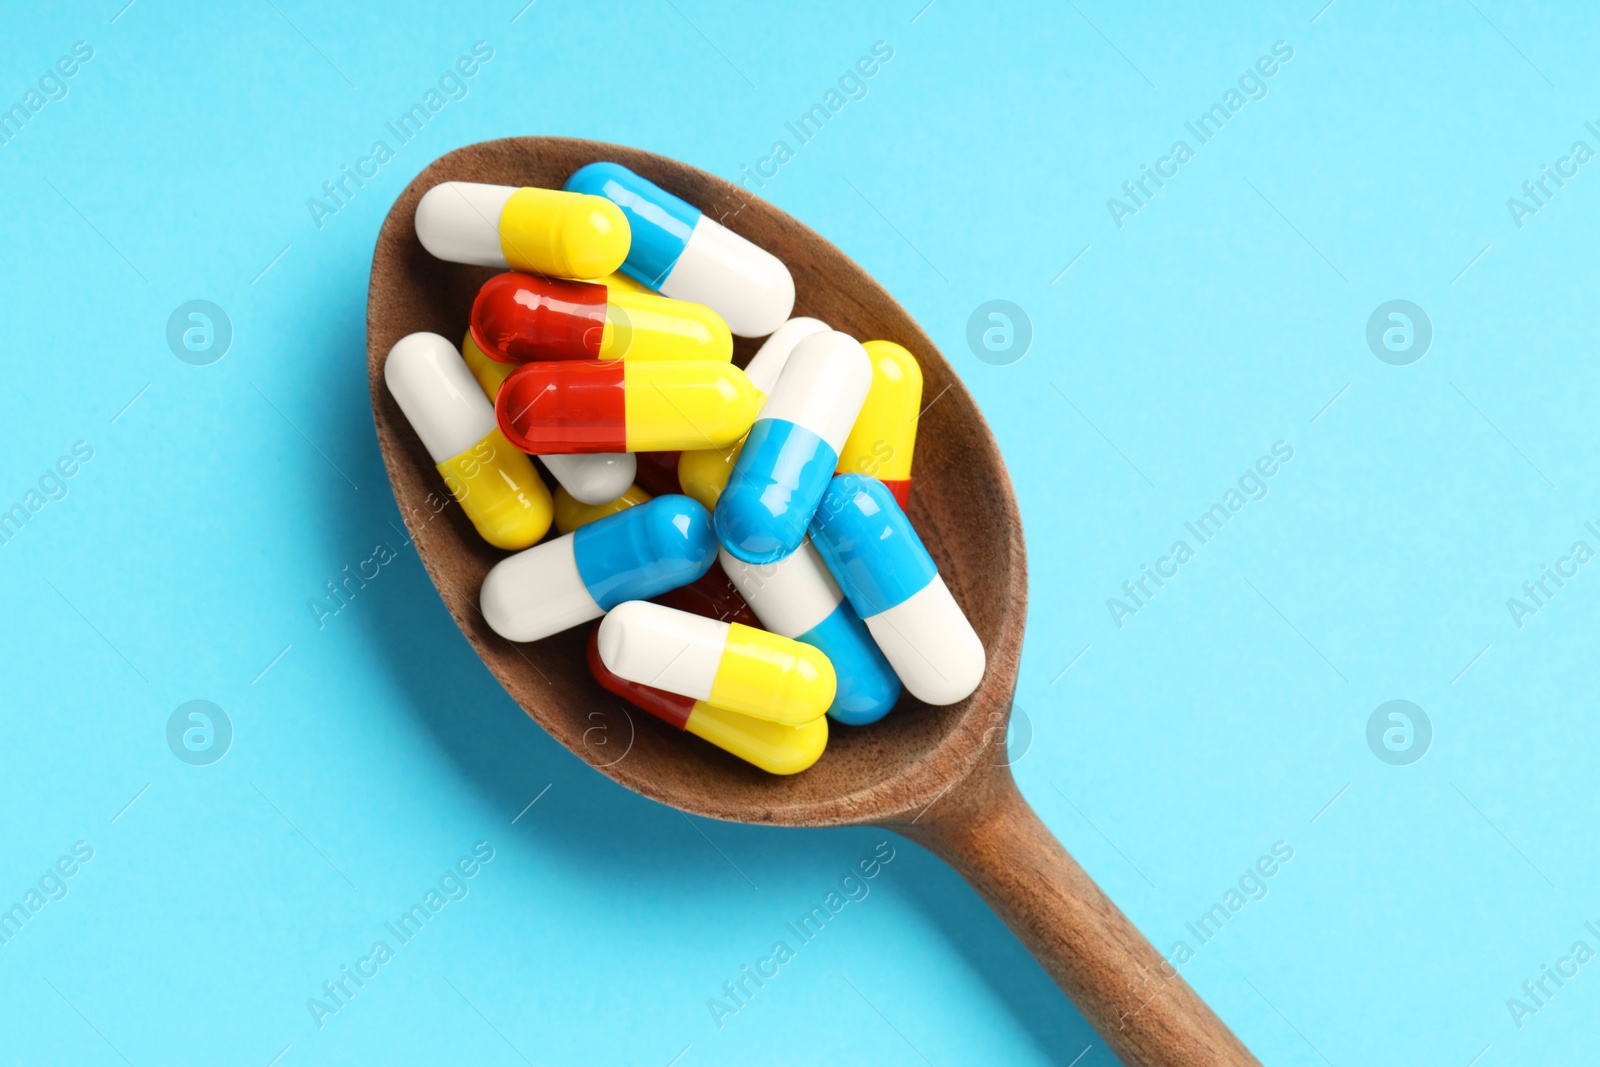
x=1229 y=714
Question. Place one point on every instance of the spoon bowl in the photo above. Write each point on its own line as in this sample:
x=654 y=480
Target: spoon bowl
x=936 y=774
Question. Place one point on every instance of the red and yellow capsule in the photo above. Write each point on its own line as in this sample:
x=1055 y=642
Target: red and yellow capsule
x=568 y=406
x=773 y=746
x=517 y=318
x=884 y=436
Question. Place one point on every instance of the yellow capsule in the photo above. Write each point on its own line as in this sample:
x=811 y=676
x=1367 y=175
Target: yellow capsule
x=772 y=677
x=688 y=404
x=500 y=492
x=548 y=231
x=489 y=372
x=884 y=436
x=571 y=513
x=647 y=326
x=772 y=746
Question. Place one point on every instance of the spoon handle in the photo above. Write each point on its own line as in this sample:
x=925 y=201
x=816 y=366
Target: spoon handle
x=1138 y=1002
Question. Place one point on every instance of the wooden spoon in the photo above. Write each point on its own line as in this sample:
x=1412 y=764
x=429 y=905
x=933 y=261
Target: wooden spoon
x=936 y=775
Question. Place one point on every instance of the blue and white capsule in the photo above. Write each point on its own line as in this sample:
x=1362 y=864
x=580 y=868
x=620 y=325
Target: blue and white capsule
x=792 y=450
x=892 y=582
x=796 y=597
x=633 y=555
x=680 y=252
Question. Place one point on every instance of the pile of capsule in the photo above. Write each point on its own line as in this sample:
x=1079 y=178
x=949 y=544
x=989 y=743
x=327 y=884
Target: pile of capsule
x=751 y=576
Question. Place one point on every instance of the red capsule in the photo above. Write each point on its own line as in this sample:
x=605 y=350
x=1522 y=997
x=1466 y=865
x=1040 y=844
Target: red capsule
x=565 y=407
x=714 y=596
x=521 y=317
x=569 y=406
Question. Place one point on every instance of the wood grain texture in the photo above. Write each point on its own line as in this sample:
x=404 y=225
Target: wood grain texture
x=935 y=774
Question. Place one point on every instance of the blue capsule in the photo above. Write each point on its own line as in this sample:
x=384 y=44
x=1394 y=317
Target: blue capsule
x=893 y=584
x=792 y=450
x=682 y=253
x=633 y=555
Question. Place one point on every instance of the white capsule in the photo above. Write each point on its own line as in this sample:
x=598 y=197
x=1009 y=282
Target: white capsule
x=822 y=387
x=536 y=593
x=790 y=597
x=769 y=360
x=460 y=222
x=663 y=648
x=930 y=644
x=747 y=285
x=594 y=478
x=438 y=394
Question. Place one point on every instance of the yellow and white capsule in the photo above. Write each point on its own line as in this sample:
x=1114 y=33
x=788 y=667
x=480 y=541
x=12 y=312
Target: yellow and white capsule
x=496 y=484
x=728 y=665
x=703 y=472
x=545 y=231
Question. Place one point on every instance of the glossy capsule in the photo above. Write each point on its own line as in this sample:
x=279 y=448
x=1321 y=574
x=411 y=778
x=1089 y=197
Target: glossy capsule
x=498 y=488
x=640 y=552
x=793 y=448
x=597 y=478
x=625 y=406
x=545 y=231
x=884 y=437
x=703 y=472
x=519 y=317
x=682 y=253
x=573 y=514
x=889 y=578
x=797 y=597
x=772 y=746
x=726 y=664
